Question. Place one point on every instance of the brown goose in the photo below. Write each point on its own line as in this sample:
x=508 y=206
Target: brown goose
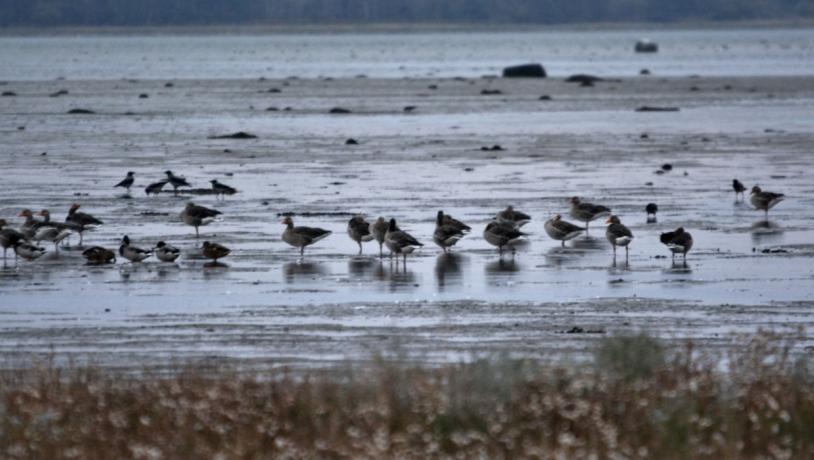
x=97 y=255
x=618 y=235
x=359 y=230
x=561 y=230
x=29 y=227
x=198 y=216
x=133 y=253
x=446 y=219
x=378 y=229
x=214 y=251
x=300 y=237
x=738 y=187
x=587 y=212
x=9 y=238
x=447 y=233
x=399 y=241
x=127 y=182
x=678 y=242
x=513 y=217
x=765 y=200
x=79 y=221
x=502 y=235
x=53 y=232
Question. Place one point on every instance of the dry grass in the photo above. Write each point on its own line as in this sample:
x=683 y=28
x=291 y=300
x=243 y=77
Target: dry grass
x=638 y=400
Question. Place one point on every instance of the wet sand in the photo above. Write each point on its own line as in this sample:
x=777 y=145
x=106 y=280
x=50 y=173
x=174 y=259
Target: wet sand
x=267 y=307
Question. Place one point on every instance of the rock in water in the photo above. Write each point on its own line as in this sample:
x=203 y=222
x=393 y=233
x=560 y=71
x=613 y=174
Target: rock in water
x=524 y=71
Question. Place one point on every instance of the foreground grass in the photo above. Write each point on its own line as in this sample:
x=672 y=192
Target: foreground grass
x=636 y=400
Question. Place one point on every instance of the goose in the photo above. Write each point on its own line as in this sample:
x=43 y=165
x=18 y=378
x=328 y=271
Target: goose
x=561 y=230
x=379 y=229
x=176 y=181
x=29 y=227
x=513 y=217
x=359 y=231
x=765 y=200
x=214 y=251
x=97 y=255
x=127 y=182
x=79 y=221
x=28 y=251
x=738 y=187
x=222 y=189
x=446 y=234
x=502 y=235
x=587 y=212
x=198 y=216
x=155 y=187
x=399 y=242
x=133 y=253
x=446 y=219
x=651 y=209
x=300 y=237
x=165 y=252
x=618 y=235
x=53 y=232
x=678 y=242
x=9 y=238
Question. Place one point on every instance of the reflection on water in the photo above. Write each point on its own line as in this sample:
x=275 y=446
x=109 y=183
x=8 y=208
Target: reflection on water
x=360 y=266
x=448 y=269
x=300 y=271
x=765 y=232
x=622 y=265
x=679 y=267
x=214 y=267
x=501 y=267
x=589 y=243
x=559 y=256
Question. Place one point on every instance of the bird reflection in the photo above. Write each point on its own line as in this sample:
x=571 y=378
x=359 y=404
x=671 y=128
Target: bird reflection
x=301 y=270
x=361 y=266
x=448 y=269
x=678 y=267
x=558 y=256
x=502 y=267
x=588 y=243
x=766 y=231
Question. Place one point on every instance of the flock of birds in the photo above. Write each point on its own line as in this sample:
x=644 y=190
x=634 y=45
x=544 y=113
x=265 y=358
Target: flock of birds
x=504 y=231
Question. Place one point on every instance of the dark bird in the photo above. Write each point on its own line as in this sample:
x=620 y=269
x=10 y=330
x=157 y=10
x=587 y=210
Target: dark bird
x=127 y=182
x=198 y=216
x=9 y=238
x=651 y=209
x=678 y=242
x=379 y=229
x=561 y=230
x=155 y=187
x=53 y=232
x=448 y=231
x=222 y=189
x=359 y=231
x=214 y=251
x=618 y=235
x=176 y=181
x=400 y=242
x=446 y=219
x=133 y=253
x=587 y=212
x=765 y=200
x=300 y=237
x=503 y=234
x=513 y=217
x=79 y=221
x=738 y=187
x=97 y=255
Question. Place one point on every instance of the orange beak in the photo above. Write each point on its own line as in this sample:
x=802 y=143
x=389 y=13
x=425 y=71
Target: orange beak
x=608 y=221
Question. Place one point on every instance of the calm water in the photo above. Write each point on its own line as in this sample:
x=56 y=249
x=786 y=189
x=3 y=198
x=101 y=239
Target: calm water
x=687 y=52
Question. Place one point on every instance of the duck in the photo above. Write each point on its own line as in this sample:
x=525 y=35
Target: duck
x=446 y=219
x=176 y=181
x=739 y=188
x=651 y=209
x=155 y=187
x=80 y=221
x=198 y=216
x=300 y=237
x=9 y=238
x=222 y=189
x=446 y=233
x=400 y=242
x=165 y=252
x=29 y=227
x=678 y=241
x=133 y=253
x=513 y=217
x=359 y=230
x=502 y=234
x=97 y=255
x=765 y=200
x=561 y=230
x=214 y=251
x=618 y=235
x=28 y=251
x=127 y=182
x=587 y=212
x=379 y=229
x=53 y=232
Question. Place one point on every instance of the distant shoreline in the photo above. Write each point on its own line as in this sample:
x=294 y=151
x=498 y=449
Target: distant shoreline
x=373 y=28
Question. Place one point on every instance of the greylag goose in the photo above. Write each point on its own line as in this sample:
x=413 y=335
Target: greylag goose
x=79 y=221
x=587 y=212
x=176 y=181
x=651 y=209
x=29 y=227
x=53 y=232
x=765 y=200
x=502 y=235
x=214 y=251
x=379 y=229
x=738 y=187
x=198 y=216
x=165 y=252
x=446 y=219
x=446 y=233
x=359 y=231
x=561 y=230
x=97 y=255
x=28 y=251
x=155 y=187
x=678 y=242
x=9 y=238
x=222 y=189
x=132 y=253
x=618 y=235
x=127 y=182
x=400 y=242
x=300 y=237
x=513 y=217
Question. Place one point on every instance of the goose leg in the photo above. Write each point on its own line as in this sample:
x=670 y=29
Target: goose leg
x=80 y=239
x=360 y=247
x=196 y=232
x=563 y=243
x=381 y=252
x=302 y=251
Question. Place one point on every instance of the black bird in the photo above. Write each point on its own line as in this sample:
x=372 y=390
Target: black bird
x=738 y=187
x=127 y=182
x=678 y=242
x=9 y=238
x=651 y=209
x=222 y=189
x=176 y=181
x=79 y=221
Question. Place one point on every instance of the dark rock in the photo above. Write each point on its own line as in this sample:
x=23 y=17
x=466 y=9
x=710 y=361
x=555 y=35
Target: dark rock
x=21 y=128
x=8 y=94
x=273 y=90
x=646 y=46
x=644 y=136
x=494 y=148
x=62 y=92
x=583 y=78
x=143 y=96
x=169 y=84
x=339 y=110
x=351 y=141
x=644 y=72
x=432 y=87
x=409 y=108
x=544 y=97
x=469 y=169
x=775 y=251
x=80 y=112
x=695 y=88
x=272 y=109
x=237 y=135
x=667 y=167
x=651 y=108
x=490 y=92
x=524 y=71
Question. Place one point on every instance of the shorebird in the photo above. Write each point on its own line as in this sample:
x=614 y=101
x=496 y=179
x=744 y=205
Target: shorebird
x=446 y=219
x=222 y=189
x=618 y=235
x=513 y=217
x=214 y=251
x=198 y=216
x=300 y=237
x=400 y=242
x=176 y=181
x=79 y=221
x=448 y=231
x=133 y=253
x=651 y=209
x=359 y=231
x=678 y=242
x=28 y=251
x=165 y=252
x=155 y=187
x=379 y=229
x=587 y=212
x=765 y=200
x=29 y=227
x=53 y=232
x=738 y=187
x=9 y=238
x=97 y=255
x=502 y=235
x=561 y=230
x=127 y=182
